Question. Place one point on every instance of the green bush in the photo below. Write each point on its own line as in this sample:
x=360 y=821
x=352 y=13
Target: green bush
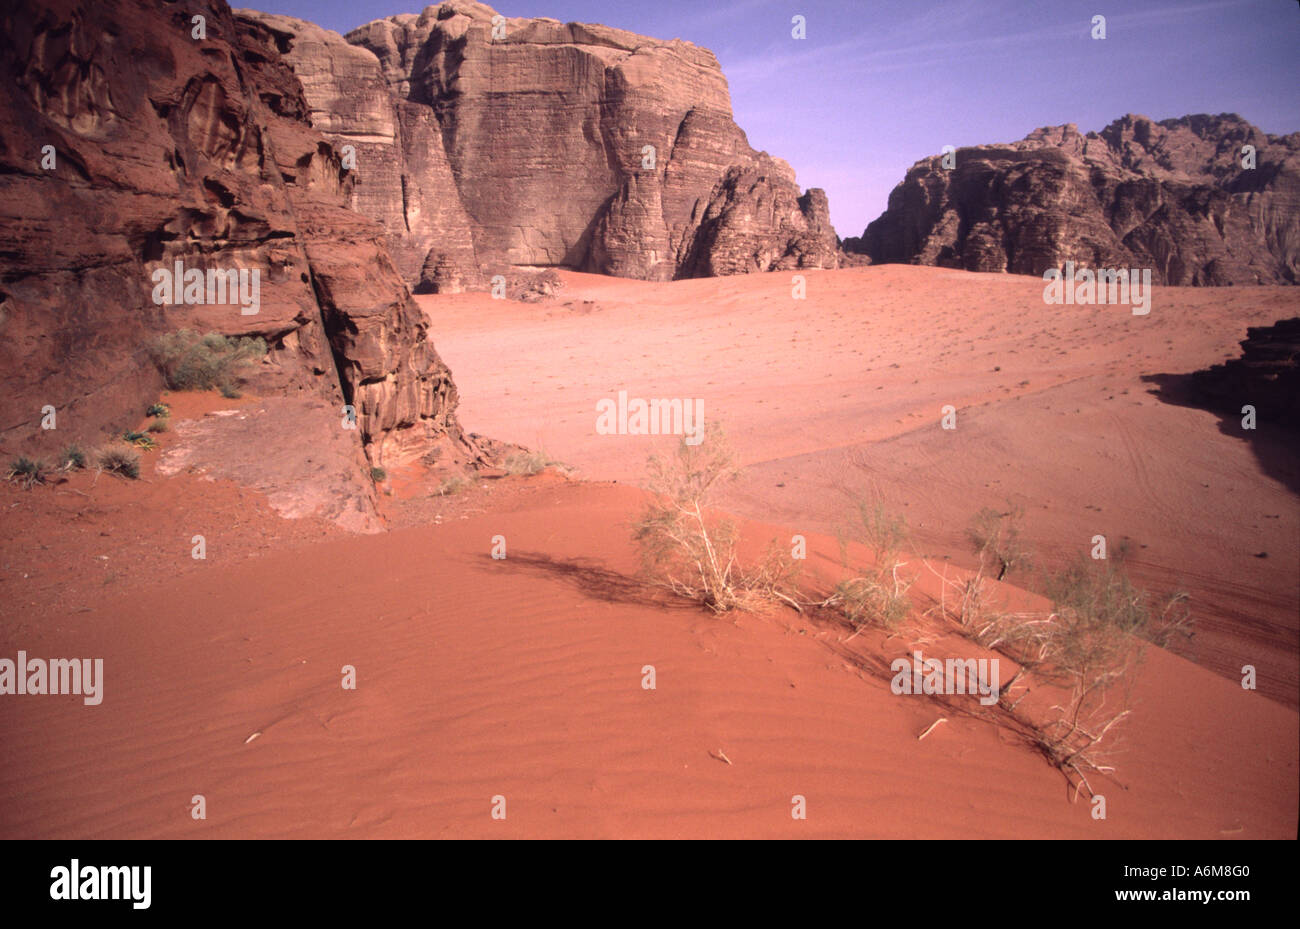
x=25 y=472
x=378 y=475
x=72 y=459
x=158 y=409
x=877 y=594
x=140 y=440
x=189 y=361
x=120 y=461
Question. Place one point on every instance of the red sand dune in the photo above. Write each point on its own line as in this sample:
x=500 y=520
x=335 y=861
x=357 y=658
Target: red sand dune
x=522 y=677
x=843 y=391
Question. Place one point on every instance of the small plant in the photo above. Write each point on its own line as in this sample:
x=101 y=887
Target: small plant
x=1172 y=620
x=692 y=553
x=530 y=463
x=158 y=409
x=26 y=473
x=189 y=361
x=1091 y=646
x=160 y=424
x=883 y=533
x=454 y=485
x=877 y=593
x=996 y=539
x=378 y=475
x=72 y=459
x=873 y=599
x=120 y=461
x=140 y=440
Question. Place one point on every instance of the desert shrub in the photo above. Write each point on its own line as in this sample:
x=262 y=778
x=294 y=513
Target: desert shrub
x=140 y=440
x=1091 y=646
x=72 y=458
x=454 y=485
x=876 y=594
x=995 y=538
x=378 y=475
x=26 y=472
x=120 y=461
x=874 y=599
x=158 y=409
x=529 y=463
x=1171 y=619
x=190 y=361
x=159 y=424
x=883 y=533
x=690 y=551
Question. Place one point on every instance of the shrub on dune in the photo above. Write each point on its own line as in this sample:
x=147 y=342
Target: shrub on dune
x=1090 y=646
x=691 y=551
x=876 y=594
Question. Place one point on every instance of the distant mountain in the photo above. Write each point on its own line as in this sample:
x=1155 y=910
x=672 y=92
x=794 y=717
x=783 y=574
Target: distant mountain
x=1172 y=196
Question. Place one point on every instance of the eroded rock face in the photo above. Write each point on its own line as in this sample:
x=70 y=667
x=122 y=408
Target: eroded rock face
x=1171 y=196
x=550 y=145
x=166 y=148
x=1266 y=376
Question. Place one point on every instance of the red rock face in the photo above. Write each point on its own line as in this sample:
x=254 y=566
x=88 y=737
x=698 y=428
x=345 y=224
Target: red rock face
x=169 y=148
x=550 y=145
x=1171 y=196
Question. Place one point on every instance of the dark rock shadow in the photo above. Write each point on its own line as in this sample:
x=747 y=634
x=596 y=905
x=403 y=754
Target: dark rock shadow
x=1276 y=446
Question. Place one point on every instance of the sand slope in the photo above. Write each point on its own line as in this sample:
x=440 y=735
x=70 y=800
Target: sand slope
x=843 y=391
x=522 y=678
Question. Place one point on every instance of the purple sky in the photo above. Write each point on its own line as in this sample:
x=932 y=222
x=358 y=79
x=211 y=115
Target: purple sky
x=876 y=86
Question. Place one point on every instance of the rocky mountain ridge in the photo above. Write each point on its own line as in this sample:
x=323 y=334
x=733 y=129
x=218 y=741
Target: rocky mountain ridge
x=1174 y=196
x=484 y=143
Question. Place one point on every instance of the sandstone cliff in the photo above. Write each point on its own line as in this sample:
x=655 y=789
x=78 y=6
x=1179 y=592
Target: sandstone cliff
x=548 y=144
x=1171 y=196
x=169 y=148
x=1265 y=376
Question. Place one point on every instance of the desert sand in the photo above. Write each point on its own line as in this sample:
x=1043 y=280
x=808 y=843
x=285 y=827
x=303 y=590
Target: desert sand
x=522 y=678
x=842 y=393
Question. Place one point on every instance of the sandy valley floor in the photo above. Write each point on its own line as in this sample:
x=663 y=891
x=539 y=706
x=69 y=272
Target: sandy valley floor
x=522 y=678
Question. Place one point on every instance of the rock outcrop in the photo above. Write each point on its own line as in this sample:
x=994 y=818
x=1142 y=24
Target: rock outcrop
x=1266 y=376
x=510 y=143
x=129 y=144
x=1171 y=196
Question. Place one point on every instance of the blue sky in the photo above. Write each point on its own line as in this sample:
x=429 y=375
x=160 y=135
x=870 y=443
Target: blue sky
x=879 y=84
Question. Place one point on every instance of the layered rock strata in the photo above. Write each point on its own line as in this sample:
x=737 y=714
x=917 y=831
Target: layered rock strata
x=134 y=143
x=484 y=143
x=1201 y=200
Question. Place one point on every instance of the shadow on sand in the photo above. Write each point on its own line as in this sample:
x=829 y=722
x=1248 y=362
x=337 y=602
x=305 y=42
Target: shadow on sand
x=1276 y=447
x=598 y=581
